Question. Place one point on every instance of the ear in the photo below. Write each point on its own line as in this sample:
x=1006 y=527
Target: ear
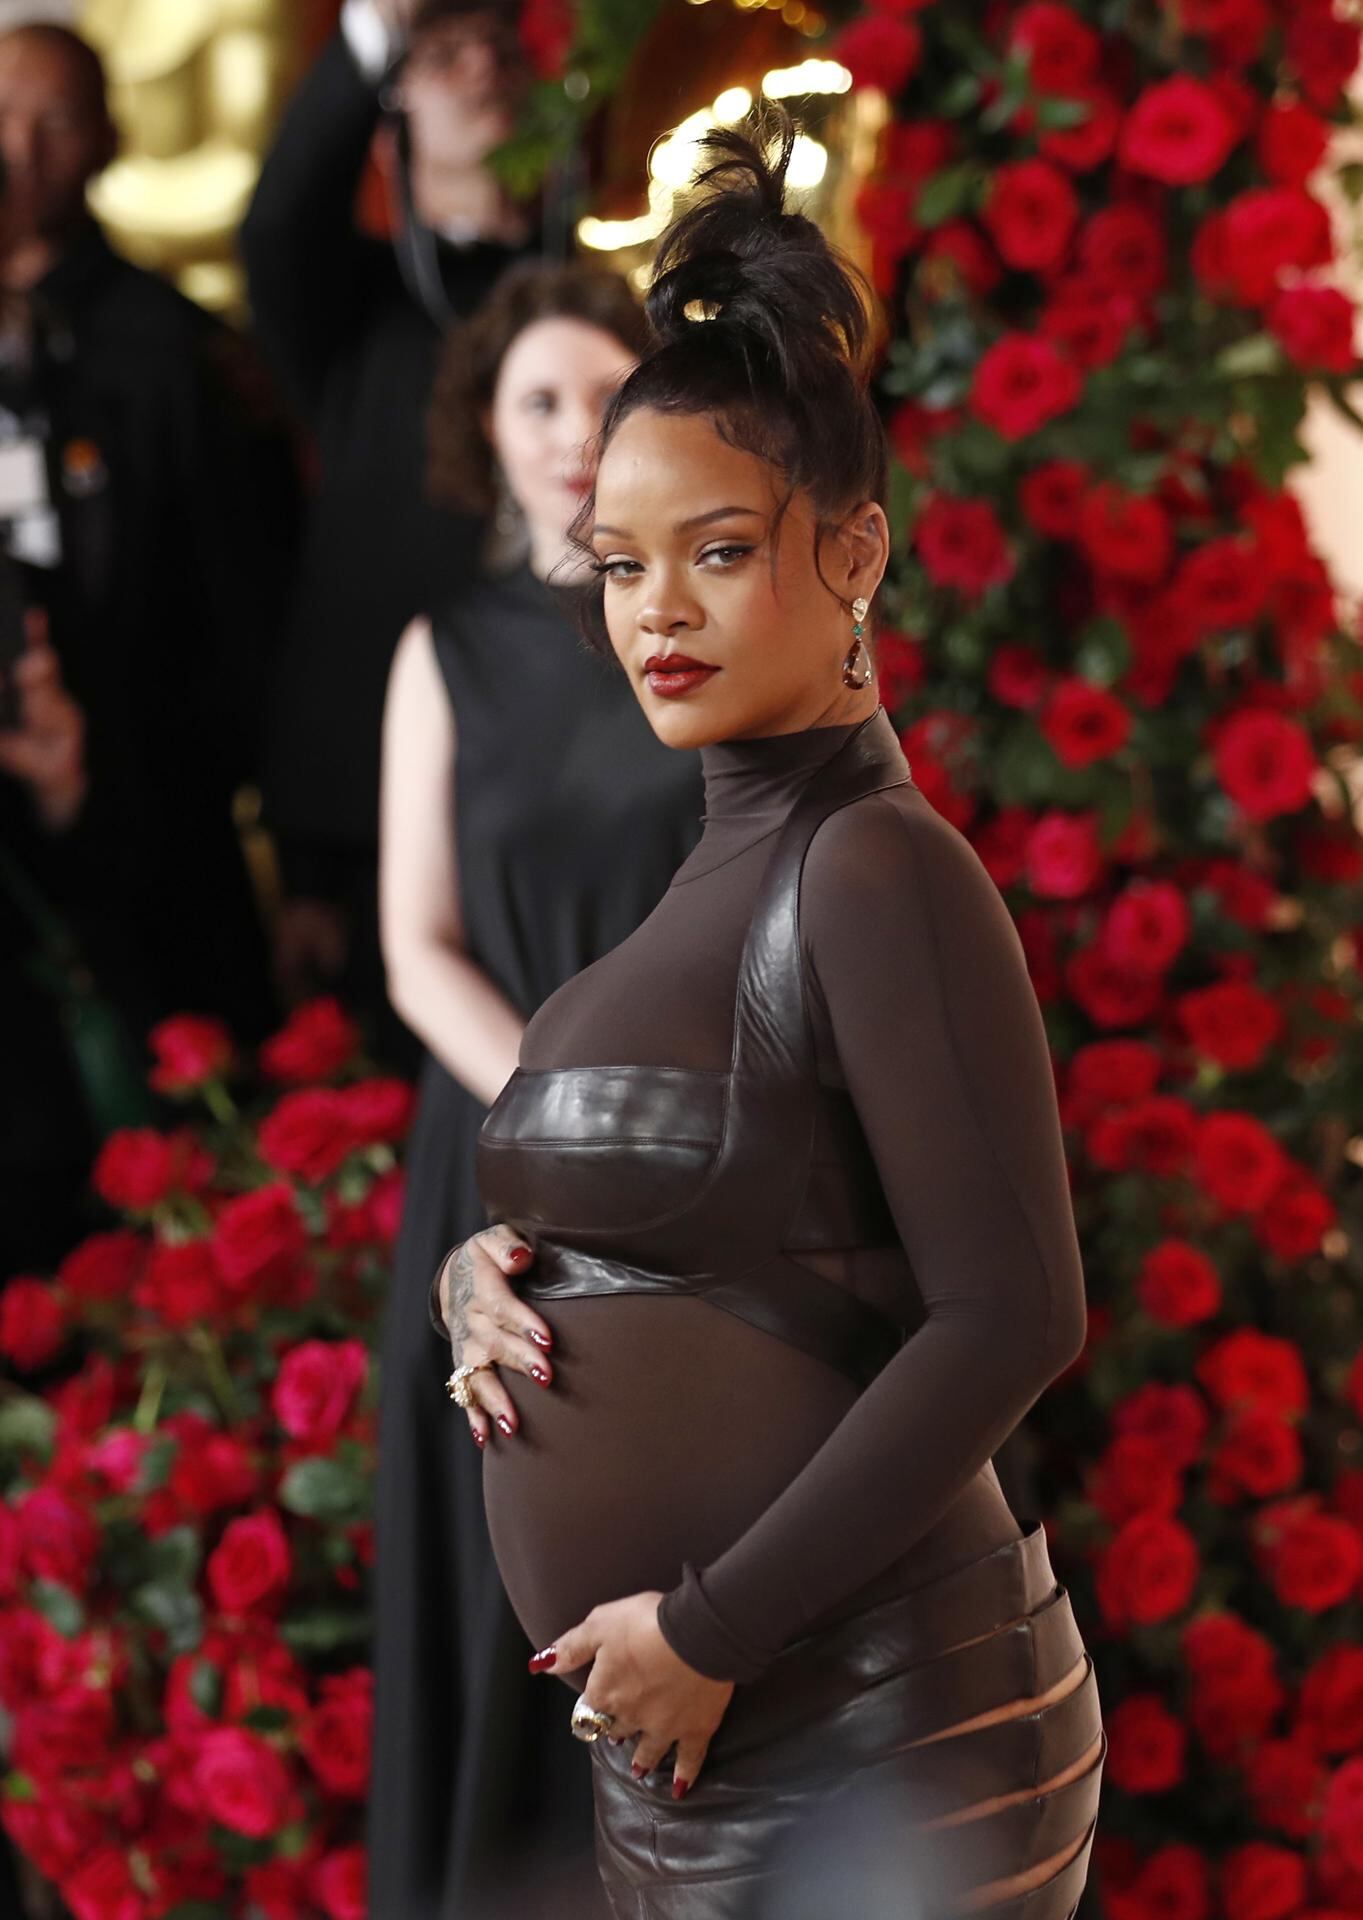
x=865 y=551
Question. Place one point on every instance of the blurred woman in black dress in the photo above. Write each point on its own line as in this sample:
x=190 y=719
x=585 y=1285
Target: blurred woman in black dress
x=530 y=821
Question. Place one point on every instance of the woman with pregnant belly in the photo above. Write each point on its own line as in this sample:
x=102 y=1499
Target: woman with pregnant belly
x=781 y=1192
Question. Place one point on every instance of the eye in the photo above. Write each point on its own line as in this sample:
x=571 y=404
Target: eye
x=617 y=569
x=727 y=555
x=541 y=401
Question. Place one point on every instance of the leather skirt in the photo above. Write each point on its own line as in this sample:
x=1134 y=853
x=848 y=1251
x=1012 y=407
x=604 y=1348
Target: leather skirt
x=829 y=1790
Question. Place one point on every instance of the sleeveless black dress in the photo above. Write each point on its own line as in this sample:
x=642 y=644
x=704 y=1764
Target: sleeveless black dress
x=792 y=1168
x=571 y=819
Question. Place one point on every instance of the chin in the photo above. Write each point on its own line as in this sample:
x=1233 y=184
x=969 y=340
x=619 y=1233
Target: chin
x=683 y=724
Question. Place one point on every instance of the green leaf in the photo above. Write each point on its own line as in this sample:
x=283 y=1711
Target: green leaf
x=1103 y=653
x=58 y=1606
x=1054 y=115
x=173 y=1557
x=205 y=1687
x=948 y=194
x=267 y=1719
x=959 y=95
x=27 y=1426
x=1258 y=354
x=19 y=1787
x=324 y=1630
x=1349 y=178
x=176 y=1610
x=322 y=1489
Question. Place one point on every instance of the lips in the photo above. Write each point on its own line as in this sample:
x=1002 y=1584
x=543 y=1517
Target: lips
x=674 y=674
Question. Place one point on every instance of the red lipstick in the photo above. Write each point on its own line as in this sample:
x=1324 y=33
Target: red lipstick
x=674 y=674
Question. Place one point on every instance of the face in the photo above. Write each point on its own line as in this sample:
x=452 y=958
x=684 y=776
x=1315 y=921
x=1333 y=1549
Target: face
x=714 y=603
x=459 y=90
x=551 y=394
x=54 y=136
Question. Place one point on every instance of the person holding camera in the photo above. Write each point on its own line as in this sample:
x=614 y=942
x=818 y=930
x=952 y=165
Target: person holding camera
x=353 y=326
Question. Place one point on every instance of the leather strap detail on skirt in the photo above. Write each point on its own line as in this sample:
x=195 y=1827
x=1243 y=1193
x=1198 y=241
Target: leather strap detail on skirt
x=782 y=1298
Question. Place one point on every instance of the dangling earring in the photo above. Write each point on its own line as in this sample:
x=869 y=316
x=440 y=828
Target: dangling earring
x=857 y=669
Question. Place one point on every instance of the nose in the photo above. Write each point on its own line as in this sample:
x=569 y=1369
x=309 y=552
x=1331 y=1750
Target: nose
x=19 y=142
x=668 y=607
x=578 y=423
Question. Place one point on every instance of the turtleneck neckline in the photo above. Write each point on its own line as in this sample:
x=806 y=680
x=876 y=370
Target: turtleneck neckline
x=751 y=786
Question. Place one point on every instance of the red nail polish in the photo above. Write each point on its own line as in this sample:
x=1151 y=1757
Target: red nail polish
x=680 y=1789
x=636 y=1770
x=541 y=1662
x=519 y=1255
x=479 y=1439
x=539 y=1376
x=541 y=1340
x=505 y=1425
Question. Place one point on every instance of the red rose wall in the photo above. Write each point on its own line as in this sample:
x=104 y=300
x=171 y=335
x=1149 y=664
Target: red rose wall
x=1120 y=668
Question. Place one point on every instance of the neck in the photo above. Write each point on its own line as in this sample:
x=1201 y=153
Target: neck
x=465 y=197
x=30 y=260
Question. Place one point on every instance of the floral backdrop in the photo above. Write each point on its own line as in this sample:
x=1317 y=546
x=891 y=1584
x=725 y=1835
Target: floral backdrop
x=1101 y=234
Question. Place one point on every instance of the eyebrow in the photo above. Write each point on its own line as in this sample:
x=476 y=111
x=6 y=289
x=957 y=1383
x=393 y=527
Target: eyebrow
x=687 y=526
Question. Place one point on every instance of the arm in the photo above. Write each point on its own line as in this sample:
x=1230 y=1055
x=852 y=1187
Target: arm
x=945 y=1055
x=445 y=999
x=306 y=260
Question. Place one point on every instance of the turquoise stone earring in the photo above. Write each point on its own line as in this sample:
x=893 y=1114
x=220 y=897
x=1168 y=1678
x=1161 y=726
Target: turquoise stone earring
x=857 y=668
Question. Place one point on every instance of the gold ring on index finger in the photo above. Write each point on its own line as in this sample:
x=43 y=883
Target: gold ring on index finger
x=589 y=1723
x=458 y=1388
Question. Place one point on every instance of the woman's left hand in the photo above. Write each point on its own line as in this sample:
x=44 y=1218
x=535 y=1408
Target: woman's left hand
x=647 y=1690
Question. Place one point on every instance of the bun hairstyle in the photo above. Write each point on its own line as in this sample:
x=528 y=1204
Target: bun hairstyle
x=760 y=323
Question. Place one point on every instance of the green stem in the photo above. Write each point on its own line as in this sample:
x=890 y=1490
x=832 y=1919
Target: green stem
x=149 y=1400
x=207 y=1346
x=220 y=1103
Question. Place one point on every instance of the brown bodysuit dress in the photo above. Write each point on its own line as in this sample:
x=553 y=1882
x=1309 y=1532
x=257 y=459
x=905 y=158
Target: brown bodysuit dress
x=792 y=1167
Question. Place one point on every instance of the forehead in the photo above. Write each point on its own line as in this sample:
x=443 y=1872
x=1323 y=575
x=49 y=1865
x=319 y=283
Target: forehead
x=38 y=73
x=560 y=349
x=662 y=462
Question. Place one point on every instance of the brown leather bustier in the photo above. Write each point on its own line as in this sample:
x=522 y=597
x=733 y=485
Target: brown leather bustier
x=665 y=1180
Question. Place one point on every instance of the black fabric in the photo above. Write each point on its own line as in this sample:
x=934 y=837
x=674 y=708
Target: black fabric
x=571 y=820
x=357 y=354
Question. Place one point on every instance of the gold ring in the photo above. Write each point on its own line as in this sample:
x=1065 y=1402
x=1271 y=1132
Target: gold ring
x=588 y=1723
x=457 y=1386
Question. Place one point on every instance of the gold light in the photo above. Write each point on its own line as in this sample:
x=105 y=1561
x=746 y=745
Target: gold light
x=811 y=76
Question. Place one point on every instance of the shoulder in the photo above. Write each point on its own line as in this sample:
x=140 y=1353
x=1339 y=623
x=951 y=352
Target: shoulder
x=890 y=864
x=145 y=300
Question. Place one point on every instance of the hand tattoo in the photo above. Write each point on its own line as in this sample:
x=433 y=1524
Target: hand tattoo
x=461 y=1298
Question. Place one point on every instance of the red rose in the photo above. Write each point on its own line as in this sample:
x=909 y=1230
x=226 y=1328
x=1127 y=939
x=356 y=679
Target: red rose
x=1324 y=52
x=335 y=1738
x=1145 y=1745
x=339 y=1882
x=1232 y=1023
x=1260 y=1455
x=212 y=1469
x=1236 y=29
x=1296 y=1219
x=887 y=210
x=58 y=1540
x=547 y=29
x=962 y=544
x=1249 y=1369
x=1177 y=1285
x=378 y=1112
x=259 y=1237
x=1292 y=142
x=1265 y=762
x=1061 y=50
x=1316 y=328
x=117 y=1457
x=1031 y=213
x=1219 y=586
x=103 y=1888
x=961 y=253
x=1124 y=247
x=264 y=1673
x=242 y=1782
x=1178 y=132
x=181 y=1285
x=1285 y=1783
x=915 y=150
x=104 y=1267
x=1148 y=1573
x=1002 y=845
x=900 y=671
x=1155 y=1136
x=1064 y=859
x=1263 y=1882
x=1173 y=1884
x=1174 y=1418
x=308 y=1134
x=1134 y=1475
x=32 y=1323
x=880 y=52
x=1342 y=1815
x=1050 y=495
x=1146 y=927
x=1088 y=321
x=1332 y=1701
x=1021 y=383
x=1110 y=994
x=55 y=1837
x=1018 y=677
x=1219 y=1646
x=1266 y=231
x=1317 y=1563
x=280 y=1890
x=58 y=1733
x=1087 y=144
x=1084 y=723
x=1239 y=1163
x=250 y=1565
x=319 y=1040
x=1242 y=896
x=189 y=1050
x=1113 y=1073
x=317 y=1386
x=1126 y=535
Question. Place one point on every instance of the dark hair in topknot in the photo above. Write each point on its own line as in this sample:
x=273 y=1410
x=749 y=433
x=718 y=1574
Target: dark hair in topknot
x=762 y=324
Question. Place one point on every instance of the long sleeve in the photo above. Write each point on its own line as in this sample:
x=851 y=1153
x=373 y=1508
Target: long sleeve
x=941 y=1042
x=308 y=266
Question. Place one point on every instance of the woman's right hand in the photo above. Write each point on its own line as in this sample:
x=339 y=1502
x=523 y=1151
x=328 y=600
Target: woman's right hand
x=490 y=1326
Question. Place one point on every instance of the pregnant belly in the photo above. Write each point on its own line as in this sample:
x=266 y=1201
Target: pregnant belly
x=669 y=1428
